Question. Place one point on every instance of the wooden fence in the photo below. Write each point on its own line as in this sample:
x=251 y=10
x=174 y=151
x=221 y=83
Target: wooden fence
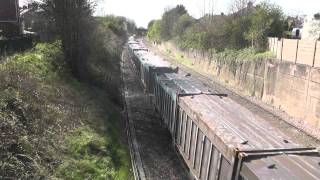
x=297 y=51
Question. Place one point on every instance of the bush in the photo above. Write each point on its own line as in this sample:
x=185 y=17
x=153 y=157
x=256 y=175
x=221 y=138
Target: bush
x=155 y=32
x=102 y=66
x=239 y=30
x=243 y=55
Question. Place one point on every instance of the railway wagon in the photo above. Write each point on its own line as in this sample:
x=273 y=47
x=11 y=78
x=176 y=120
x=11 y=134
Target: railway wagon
x=136 y=50
x=221 y=159
x=149 y=65
x=150 y=72
x=289 y=165
x=165 y=100
x=220 y=139
x=169 y=86
x=166 y=95
x=138 y=55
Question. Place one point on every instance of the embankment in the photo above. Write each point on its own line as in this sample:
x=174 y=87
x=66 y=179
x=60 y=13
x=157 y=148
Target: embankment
x=52 y=126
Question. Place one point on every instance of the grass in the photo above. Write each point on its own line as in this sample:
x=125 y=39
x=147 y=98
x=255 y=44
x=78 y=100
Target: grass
x=94 y=156
x=184 y=60
x=97 y=150
x=242 y=55
x=180 y=58
x=53 y=126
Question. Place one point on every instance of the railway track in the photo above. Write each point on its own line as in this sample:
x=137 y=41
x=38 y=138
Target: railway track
x=276 y=119
x=152 y=154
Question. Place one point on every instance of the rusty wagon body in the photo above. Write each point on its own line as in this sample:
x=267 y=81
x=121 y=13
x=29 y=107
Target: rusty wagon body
x=219 y=138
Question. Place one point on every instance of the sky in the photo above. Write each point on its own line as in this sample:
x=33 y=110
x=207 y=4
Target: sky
x=143 y=11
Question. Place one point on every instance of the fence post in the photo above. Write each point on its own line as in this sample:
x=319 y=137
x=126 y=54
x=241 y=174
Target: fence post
x=272 y=45
x=315 y=52
x=295 y=61
x=276 y=46
x=281 y=49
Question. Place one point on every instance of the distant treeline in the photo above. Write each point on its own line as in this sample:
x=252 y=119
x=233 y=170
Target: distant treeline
x=248 y=25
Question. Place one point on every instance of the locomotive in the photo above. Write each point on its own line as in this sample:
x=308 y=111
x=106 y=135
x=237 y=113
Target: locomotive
x=12 y=35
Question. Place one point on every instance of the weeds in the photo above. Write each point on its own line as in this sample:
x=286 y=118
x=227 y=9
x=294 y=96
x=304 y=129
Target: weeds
x=52 y=126
x=92 y=156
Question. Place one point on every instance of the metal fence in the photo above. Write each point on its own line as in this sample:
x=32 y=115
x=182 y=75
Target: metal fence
x=297 y=51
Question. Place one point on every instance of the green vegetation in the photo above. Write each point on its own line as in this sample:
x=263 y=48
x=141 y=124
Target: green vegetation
x=96 y=152
x=60 y=103
x=154 y=32
x=249 y=26
x=243 y=55
x=102 y=66
x=54 y=126
x=227 y=57
x=229 y=40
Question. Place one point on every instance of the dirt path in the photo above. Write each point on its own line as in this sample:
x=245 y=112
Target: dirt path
x=151 y=146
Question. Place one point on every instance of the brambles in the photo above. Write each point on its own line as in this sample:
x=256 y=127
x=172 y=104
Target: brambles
x=42 y=104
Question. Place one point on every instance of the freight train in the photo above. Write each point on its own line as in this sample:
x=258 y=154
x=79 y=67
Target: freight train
x=12 y=35
x=217 y=137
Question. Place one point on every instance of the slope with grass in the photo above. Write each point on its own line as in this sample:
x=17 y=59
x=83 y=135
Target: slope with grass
x=53 y=126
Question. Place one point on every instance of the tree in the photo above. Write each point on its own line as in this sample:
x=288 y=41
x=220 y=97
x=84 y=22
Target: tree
x=316 y=29
x=313 y=28
x=277 y=17
x=169 y=18
x=241 y=7
x=266 y=20
x=182 y=24
x=73 y=19
x=150 y=24
x=156 y=31
x=208 y=10
x=260 y=23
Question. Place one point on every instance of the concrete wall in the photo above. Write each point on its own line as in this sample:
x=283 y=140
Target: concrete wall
x=289 y=50
x=293 y=86
x=306 y=52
